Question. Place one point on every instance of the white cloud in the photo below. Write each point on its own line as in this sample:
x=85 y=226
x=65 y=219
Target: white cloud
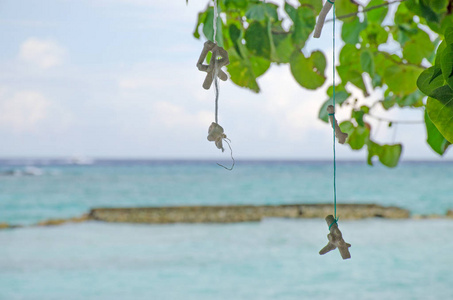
x=42 y=53
x=173 y=116
x=23 y=111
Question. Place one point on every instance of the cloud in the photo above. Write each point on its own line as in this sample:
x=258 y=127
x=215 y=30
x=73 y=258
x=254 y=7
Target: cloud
x=41 y=53
x=23 y=111
x=173 y=116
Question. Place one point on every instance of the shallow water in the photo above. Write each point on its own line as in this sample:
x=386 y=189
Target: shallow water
x=64 y=191
x=273 y=259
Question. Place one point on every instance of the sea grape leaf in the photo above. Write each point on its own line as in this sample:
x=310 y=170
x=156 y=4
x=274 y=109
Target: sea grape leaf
x=261 y=11
x=441 y=114
x=357 y=136
x=304 y=23
x=430 y=80
x=350 y=31
x=235 y=37
x=244 y=70
x=402 y=79
x=376 y=15
x=434 y=138
x=418 y=47
x=367 y=62
x=351 y=74
x=316 y=5
x=358 y=116
x=388 y=155
x=257 y=40
x=308 y=72
x=208 y=29
x=374 y=34
x=346 y=7
x=414 y=100
x=340 y=97
x=446 y=60
x=283 y=47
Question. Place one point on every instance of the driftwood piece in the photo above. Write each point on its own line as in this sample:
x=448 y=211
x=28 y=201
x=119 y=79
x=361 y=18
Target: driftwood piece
x=341 y=136
x=215 y=64
x=335 y=239
x=322 y=18
x=215 y=134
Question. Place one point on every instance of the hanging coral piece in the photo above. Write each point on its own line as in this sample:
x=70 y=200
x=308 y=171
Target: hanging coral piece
x=215 y=65
x=335 y=239
x=322 y=18
x=215 y=134
x=341 y=136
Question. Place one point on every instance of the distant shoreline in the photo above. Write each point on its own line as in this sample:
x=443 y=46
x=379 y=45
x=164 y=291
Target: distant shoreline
x=235 y=214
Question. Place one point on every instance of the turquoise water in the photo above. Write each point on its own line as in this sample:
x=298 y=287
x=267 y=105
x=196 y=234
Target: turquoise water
x=272 y=259
x=66 y=191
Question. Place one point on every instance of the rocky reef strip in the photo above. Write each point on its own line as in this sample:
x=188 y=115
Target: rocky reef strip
x=234 y=214
x=241 y=213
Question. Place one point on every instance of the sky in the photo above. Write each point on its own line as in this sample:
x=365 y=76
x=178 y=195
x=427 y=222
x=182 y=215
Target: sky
x=118 y=79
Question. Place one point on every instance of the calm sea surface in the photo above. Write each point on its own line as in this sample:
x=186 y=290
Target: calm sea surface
x=273 y=259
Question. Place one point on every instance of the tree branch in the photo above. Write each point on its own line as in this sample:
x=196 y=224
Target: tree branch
x=395 y=121
x=365 y=10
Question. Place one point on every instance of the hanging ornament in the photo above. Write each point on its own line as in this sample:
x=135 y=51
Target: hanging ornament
x=219 y=59
x=335 y=239
x=214 y=68
x=341 y=136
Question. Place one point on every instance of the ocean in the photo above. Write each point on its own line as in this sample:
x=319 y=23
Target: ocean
x=272 y=259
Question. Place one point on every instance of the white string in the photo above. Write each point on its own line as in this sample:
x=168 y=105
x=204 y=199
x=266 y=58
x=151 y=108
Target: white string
x=216 y=79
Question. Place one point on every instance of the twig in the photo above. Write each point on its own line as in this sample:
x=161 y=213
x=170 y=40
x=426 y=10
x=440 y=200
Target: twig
x=365 y=10
x=395 y=121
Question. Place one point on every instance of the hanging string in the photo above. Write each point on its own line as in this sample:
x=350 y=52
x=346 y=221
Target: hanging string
x=216 y=79
x=333 y=126
x=217 y=88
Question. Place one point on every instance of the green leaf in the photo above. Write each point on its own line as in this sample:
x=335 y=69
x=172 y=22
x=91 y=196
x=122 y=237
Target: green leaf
x=262 y=11
x=374 y=34
x=346 y=7
x=402 y=79
x=351 y=74
x=208 y=29
x=388 y=155
x=291 y=11
x=244 y=70
x=434 y=138
x=430 y=80
x=439 y=51
x=236 y=3
x=315 y=5
x=340 y=97
x=358 y=116
x=367 y=62
x=376 y=15
x=201 y=17
x=235 y=36
x=441 y=114
x=388 y=102
x=418 y=47
x=283 y=47
x=303 y=25
x=357 y=136
x=350 y=31
x=413 y=100
x=257 y=40
x=446 y=61
x=308 y=72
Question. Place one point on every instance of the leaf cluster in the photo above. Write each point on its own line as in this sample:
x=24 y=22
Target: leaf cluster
x=258 y=33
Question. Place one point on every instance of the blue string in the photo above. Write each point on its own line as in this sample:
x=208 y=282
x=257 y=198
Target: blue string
x=333 y=125
x=335 y=221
